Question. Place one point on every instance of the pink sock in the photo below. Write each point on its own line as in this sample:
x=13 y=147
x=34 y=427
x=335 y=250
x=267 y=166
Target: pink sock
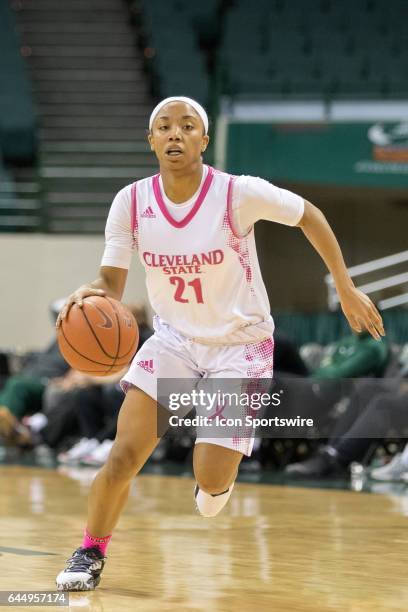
x=101 y=543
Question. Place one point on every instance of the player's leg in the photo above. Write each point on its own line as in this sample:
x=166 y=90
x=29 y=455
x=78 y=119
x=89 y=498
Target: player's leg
x=135 y=440
x=163 y=355
x=215 y=470
x=216 y=458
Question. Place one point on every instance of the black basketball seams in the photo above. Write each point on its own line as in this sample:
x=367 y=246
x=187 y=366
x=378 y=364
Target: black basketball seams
x=108 y=365
x=118 y=325
x=116 y=311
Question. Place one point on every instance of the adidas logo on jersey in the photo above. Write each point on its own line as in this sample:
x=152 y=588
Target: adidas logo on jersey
x=148 y=213
x=147 y=365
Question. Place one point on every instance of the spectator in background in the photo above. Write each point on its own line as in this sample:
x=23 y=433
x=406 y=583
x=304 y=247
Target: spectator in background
x=384 y=413
x=371 y=405
x=79 y=416
x=397 y=468
x=355 y=356
x=349 y=358
x=23 y=393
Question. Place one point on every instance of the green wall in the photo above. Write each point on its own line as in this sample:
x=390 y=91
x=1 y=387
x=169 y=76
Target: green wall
x=324 y=153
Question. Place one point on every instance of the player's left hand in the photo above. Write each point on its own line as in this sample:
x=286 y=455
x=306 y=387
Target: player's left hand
x=361 y=313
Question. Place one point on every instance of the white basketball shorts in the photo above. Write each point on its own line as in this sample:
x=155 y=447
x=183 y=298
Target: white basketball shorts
x=169 y=354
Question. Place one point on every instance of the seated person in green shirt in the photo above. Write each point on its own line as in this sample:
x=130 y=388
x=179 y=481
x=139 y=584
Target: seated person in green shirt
x=357 y=356
x=354 y=356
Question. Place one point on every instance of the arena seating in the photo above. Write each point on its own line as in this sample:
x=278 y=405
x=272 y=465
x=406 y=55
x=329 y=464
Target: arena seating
x=278 y=47
x=17 y=118
x=7 y=192
x=93 y=102
x=93 y=120
x=175 y=32
x=320 y=47
x=19 y=203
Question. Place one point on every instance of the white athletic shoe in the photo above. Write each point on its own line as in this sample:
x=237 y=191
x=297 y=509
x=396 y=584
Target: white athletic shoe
x=79 y=450
x=36 y=421
x=394 y=470
x=83 y=570
x=99 y=455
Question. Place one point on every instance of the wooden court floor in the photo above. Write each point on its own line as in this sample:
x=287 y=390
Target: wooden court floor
x=274 y=548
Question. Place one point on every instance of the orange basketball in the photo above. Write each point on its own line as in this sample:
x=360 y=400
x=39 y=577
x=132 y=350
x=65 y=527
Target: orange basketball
x=100 y=338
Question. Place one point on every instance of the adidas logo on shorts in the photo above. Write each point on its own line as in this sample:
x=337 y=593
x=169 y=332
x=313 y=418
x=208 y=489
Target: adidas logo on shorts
x=147 y=365
x=148 y=213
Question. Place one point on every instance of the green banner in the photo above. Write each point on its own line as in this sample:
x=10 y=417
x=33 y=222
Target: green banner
x=362 y=154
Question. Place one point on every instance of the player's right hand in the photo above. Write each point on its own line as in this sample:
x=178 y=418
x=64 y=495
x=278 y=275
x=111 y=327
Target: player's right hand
x=77 y=298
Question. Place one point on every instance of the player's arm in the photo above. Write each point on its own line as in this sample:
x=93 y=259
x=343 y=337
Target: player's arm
x=358 y=309
x=116 y=258
x=256 y=199
x=110 y=282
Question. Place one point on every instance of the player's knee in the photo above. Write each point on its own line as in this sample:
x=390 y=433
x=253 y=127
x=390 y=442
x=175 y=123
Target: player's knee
x=212 y=483
x=123 y=462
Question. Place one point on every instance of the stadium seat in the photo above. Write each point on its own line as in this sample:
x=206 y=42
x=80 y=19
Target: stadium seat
x=175 y=32
x=326 y=47
x=17 y=118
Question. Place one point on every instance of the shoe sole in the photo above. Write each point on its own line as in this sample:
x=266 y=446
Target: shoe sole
x=79 y=585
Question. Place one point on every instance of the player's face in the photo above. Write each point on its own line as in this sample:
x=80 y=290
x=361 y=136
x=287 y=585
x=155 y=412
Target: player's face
x=177 y=136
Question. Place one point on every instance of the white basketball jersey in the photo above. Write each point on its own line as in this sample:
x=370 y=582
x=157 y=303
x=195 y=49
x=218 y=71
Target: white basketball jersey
x=202 y=277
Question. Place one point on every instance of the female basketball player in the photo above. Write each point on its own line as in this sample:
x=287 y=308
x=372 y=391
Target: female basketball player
x=192 y=227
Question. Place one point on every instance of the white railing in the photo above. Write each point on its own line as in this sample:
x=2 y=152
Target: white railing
x=396 y=280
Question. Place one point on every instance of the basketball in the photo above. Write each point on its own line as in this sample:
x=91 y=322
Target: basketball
x=100 y=338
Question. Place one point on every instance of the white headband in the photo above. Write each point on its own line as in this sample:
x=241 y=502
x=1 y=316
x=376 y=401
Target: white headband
x=197 y=107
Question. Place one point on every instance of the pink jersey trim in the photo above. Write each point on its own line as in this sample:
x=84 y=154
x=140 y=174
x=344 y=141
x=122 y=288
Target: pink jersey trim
x=229 y=210
x=196 y=206
x=133 y=214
